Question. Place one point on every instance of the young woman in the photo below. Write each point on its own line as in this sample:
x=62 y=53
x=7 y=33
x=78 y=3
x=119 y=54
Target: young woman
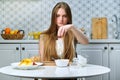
x=60 y=38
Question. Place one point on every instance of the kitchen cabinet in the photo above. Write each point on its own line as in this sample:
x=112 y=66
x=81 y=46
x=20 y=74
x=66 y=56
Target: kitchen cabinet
x=95 y=54
x=114 y=61
x=10 y=53
x=105 y=53
x=102 y=54
x=29 y=50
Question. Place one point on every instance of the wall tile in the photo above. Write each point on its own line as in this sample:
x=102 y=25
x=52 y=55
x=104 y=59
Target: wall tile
x=34 y=15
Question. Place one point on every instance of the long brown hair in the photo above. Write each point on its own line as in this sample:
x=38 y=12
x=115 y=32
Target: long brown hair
x=50 y=36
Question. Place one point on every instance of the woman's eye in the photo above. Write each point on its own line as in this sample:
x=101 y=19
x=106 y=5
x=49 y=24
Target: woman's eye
x=57 y=15
x=65 y=16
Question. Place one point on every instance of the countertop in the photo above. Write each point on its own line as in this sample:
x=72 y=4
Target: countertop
x=104 y=41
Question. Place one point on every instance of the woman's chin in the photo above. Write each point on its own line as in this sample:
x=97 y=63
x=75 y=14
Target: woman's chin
x=60 y=25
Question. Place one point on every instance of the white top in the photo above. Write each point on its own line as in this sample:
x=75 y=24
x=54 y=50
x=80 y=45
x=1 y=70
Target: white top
x=59 y=47
x=57 y=72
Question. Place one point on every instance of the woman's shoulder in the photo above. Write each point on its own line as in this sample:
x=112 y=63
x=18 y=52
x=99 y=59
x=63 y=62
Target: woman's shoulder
x=44 y=36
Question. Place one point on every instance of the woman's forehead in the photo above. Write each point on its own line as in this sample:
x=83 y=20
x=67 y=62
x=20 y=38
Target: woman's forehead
x=61 y=11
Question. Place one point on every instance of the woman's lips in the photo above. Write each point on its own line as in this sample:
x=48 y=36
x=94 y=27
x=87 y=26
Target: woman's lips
x=60 y=24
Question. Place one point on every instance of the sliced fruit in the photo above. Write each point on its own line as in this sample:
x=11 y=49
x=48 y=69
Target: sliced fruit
x=26 y=62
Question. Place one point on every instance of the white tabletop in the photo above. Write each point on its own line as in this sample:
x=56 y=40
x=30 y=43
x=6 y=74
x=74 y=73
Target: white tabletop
x=57 y=72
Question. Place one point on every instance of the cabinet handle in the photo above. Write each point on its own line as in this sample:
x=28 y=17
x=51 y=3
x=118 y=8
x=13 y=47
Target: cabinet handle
x=23 y=48
x=17 y=48
x=112 y=48
x=105 y=48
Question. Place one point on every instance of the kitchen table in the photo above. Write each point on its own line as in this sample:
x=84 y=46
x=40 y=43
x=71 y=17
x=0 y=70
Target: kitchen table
x=57 y=72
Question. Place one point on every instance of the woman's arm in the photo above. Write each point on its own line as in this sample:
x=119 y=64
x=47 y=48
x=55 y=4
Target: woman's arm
x=81 y=38
x=41 y=48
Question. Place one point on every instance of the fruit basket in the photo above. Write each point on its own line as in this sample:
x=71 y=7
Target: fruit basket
x=18 y=36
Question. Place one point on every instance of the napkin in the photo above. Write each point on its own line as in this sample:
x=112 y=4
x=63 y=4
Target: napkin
x=82 y=61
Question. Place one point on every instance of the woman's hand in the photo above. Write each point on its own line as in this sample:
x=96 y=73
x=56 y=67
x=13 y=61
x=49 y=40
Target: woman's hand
x=63 y=29
x=81 y=38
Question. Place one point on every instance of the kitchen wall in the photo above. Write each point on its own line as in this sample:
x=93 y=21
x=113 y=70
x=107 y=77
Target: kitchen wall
x=35 y=15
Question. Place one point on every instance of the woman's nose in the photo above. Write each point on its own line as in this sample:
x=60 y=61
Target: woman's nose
x=61 y=18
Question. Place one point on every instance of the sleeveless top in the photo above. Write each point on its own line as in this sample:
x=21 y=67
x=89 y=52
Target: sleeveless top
x=60 y=47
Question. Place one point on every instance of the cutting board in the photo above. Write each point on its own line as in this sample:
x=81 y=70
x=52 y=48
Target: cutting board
x=104 y=28
x=99 y=28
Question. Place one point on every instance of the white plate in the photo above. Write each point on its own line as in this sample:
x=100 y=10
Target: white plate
x=16 y=65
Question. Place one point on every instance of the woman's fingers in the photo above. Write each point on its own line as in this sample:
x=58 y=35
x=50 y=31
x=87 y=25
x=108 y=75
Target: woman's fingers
x=61 y=32
x=63 y=29
x=58 y=33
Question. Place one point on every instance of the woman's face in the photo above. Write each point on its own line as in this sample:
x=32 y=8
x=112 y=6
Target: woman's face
x=61 y=18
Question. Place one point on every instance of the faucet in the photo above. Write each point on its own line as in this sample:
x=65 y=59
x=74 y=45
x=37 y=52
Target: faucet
x=117 y=32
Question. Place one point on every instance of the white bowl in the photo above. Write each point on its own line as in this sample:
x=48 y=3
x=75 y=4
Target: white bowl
x=61 y=62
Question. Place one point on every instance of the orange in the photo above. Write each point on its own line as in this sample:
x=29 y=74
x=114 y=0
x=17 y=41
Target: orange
x=7 y=30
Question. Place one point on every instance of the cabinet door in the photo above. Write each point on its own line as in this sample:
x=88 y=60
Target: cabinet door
x=114 y=54
x=9 y=53
x=29 y=50
x=95 y=54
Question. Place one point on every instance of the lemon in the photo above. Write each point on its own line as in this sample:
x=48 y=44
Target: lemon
x=39 y=33
x=12 y=32
x=16 y=31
